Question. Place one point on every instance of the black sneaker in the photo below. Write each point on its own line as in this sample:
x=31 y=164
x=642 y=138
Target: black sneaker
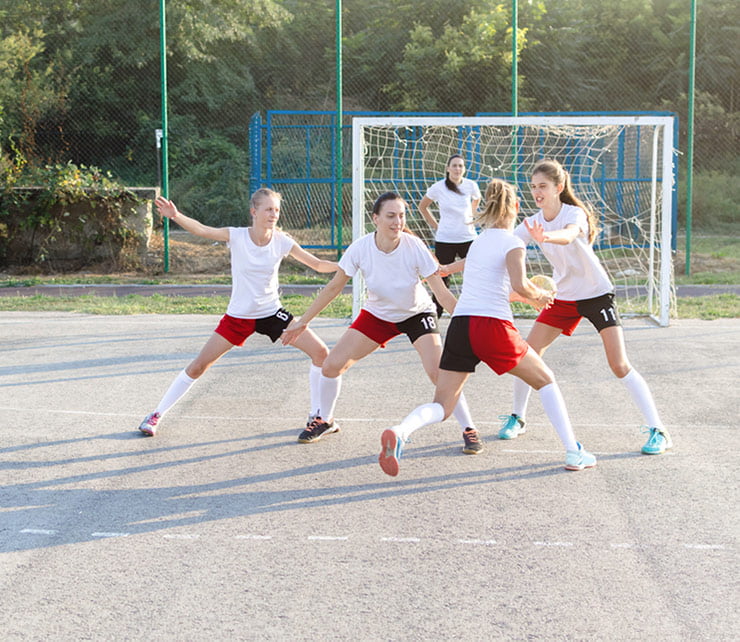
x=473 y=444
x=316 y=429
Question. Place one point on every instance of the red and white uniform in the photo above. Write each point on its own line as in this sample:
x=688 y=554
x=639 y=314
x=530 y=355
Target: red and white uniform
x=254 y=273
x=394 y=288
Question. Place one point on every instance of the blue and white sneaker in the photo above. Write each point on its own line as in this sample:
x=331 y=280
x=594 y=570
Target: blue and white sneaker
x=391 y=449
x=658 y=442
x=512 y=427
x=579 y=459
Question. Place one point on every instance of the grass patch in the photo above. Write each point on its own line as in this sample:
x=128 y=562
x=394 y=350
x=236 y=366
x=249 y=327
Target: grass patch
x=156 y=304
x=719 y=306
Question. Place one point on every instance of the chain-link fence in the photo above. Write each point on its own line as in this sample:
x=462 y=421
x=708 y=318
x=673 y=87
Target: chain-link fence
x=80 y=82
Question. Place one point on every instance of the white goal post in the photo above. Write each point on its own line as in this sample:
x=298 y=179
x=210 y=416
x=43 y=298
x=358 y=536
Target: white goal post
x=623 y=166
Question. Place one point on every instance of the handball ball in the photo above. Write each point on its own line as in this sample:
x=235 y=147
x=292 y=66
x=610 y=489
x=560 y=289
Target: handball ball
x=543 y=281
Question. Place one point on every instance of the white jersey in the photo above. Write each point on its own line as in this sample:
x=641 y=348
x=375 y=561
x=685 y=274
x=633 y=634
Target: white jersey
x=394 y=288
x=455 y=211
x=576 y=269
x=486 y=285
x=254 y=273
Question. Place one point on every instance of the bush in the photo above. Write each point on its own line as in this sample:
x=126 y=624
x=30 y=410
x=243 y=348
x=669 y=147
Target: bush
x=64 y=216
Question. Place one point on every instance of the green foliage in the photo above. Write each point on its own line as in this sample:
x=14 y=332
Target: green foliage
x=45 y=211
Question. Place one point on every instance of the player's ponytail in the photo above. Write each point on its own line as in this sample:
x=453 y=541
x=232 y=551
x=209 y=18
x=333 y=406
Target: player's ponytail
x=560 y=176
x=501 y=205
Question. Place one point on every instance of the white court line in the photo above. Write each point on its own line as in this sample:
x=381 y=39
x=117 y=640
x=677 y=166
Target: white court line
x=104 y=534
x=327 y=538
x=181 y=536
x=253 y=537
x=563 y=544
x=400 y=539
x=477 y=542
x=705 y=547
x=625 y=545
x=39 y=531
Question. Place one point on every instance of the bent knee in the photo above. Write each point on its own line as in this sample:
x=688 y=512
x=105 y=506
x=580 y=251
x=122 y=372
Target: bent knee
x=621 y=369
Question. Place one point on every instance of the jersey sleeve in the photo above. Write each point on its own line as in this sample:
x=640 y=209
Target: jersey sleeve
x=427 y=264
x=576 y=216
x=349 y=263
x=476 y=195
x=433 y=192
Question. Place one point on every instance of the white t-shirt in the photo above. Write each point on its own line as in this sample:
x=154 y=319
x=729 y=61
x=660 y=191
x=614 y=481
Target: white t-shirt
x=455 y=211
x=394 y=288
x=254 y=273
x=576 y=269
x=486 y=285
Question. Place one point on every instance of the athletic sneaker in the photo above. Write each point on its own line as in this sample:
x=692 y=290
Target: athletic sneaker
x=473 y=444
x=316 y=429
x=149 y=425
x=391 y=449
x=579 y=459
x=512 y=427
x=658 y=442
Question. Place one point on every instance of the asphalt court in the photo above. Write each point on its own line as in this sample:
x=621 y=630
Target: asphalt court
x=222 y=526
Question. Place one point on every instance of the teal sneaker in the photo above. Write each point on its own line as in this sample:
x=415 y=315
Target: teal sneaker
x=658 y=442
x=391 y=449
x=512 y=427
x=579 y=459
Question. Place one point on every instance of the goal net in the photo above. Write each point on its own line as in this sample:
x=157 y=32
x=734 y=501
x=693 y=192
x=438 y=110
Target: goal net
x=621 y=165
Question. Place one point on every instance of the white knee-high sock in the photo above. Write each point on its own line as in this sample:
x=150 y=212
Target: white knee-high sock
x=522 y=391
x=642 y=397
x=328 y=395
x=314 y=387
x=175 y=392
x=424 y=415
x=461 y=412
x=554 y=405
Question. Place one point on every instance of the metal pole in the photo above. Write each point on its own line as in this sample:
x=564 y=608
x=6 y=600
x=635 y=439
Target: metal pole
x=514 y=84
x=165 y=164
x=690 y=141
x=338 y=170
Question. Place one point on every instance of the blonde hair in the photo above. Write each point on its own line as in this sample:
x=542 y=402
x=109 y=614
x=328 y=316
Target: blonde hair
x=262 y=193
x=557 y=174
x=501 y=203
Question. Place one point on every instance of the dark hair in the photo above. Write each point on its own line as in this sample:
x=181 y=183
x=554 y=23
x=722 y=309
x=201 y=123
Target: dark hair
x=387 y=196
x=556 y=173
x=390 y=196
x=453 y=187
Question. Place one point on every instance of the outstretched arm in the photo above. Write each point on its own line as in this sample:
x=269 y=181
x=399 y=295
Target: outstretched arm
x=328 y=293
x=446 y=299
x=558 y=237
x=452 y=268
x=169 y=210
x=314 y=262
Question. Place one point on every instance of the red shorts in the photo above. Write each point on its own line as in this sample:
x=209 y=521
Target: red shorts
x=236 y=330
x=563 y=315
x=601 y=311
x=471 y=339
x=383 y=331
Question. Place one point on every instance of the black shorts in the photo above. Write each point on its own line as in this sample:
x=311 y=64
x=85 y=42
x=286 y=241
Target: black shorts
x=448 y=252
